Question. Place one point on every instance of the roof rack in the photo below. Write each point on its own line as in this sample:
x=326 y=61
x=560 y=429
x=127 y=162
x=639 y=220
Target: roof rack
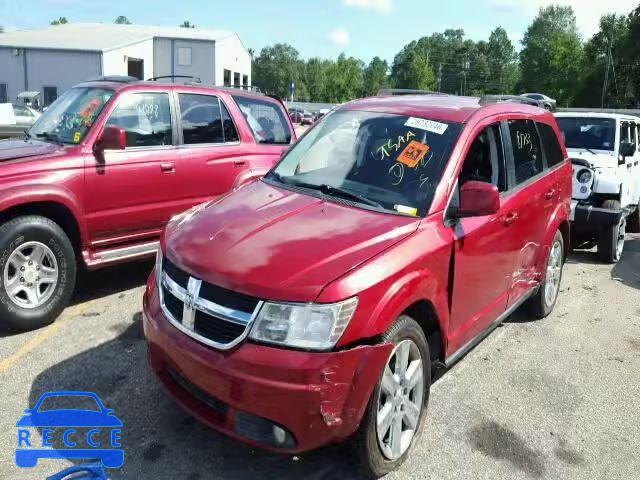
x=188 y=77
x=384 y=92
x=117 y=79
x=489 y=99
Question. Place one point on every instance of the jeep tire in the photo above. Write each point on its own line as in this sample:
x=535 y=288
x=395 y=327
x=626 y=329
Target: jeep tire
x=611 y=239
x=633 y=221
x=377 y=458
x=37 y=272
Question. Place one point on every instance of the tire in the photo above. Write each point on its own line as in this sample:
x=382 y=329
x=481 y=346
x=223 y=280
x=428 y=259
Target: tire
x=543 y=302
x=53 y=277
x=633 y=221
x=373 y=461
x=610 y=245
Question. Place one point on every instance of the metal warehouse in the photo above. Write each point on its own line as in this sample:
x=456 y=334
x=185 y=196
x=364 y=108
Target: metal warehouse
x=52 y=60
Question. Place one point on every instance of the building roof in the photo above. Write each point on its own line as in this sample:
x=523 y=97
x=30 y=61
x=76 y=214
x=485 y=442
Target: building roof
x=101 y=37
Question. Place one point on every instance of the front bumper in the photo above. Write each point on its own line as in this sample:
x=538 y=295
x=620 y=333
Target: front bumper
x=587 y=219
x=318 y=398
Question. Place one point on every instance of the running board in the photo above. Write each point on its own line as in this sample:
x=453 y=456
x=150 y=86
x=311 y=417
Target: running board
x=117 y=255
x=466 y=348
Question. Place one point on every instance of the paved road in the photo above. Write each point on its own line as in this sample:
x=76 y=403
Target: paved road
x=552 y=399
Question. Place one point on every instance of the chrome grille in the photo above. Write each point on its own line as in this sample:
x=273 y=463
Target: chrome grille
x=210 y=314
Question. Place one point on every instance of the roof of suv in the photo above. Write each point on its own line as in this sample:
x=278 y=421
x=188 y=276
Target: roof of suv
x=446 y=108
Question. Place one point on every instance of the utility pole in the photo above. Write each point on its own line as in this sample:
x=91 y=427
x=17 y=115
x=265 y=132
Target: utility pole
x=465 y=68
x=439 y=77
x=606 y=78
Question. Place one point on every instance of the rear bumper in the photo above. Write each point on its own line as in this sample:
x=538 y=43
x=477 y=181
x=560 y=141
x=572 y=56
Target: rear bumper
x=318 y=398
x=587 y=219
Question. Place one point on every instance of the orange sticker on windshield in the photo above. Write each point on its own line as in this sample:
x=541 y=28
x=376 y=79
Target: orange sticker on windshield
x=413 y=154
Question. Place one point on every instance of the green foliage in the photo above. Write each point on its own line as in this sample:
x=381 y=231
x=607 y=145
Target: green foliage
x=59 y=21
x=502 y=63
x=376 y=76
x=122 y=20
x=187 y=24
x=552 y=52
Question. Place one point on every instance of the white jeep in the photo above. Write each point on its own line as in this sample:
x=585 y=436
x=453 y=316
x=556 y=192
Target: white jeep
x=606 y=178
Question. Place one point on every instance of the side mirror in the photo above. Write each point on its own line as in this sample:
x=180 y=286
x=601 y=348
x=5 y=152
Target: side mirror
x=113 y=138
x=478 y=199
x=627 y=149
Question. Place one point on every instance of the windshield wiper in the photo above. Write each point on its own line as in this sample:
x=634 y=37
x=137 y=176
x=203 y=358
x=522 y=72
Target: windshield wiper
x=589 y=150
x=326 y=189
x=51 y=137
x=27 y=135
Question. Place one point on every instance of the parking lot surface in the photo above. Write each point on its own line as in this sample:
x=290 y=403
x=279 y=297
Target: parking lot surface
x=556 y=398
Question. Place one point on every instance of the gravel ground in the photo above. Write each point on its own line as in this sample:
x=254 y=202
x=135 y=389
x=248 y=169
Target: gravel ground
x=556 y=398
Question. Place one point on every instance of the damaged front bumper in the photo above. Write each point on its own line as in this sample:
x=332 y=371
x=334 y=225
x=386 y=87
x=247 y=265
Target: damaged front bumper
x=282 y=400
x=587 y=219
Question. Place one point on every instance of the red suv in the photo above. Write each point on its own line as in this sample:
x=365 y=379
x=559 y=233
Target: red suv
x=104 y=168
x=312 y=306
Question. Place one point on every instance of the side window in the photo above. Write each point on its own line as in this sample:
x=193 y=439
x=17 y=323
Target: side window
x=228 y=127
x=201 y=120
x=145 y=117
x=527 y=155
x=624 y=132
x=22 y=111
x=267 y=120
x=485 y=160
x=552 y=148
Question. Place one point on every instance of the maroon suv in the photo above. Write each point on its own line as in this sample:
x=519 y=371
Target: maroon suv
x=311 y=306
x=97 y=177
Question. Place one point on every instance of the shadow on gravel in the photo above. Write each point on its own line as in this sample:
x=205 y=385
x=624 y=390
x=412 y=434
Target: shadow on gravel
x=627 y=270
x=159 y=439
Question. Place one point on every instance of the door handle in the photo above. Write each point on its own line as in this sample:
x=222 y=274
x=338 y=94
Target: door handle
x=550 y=193
x=239 y=161
x=510 y=218
x=167 y=168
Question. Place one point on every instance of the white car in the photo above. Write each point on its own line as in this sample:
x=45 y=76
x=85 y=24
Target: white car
x=606 y=182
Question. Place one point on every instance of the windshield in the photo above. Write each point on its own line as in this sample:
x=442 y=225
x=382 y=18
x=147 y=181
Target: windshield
x=390 y=162
x=71 y=116
x=589 y=133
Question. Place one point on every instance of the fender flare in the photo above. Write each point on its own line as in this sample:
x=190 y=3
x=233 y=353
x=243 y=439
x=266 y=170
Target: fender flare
x=24 y=195
x=416 y=286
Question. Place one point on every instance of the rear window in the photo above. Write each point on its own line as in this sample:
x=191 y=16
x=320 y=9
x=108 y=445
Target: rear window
x=552 y=148
x=527 y=155
x=267 y=120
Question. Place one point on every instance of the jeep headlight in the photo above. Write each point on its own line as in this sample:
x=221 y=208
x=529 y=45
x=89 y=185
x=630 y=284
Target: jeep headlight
x=584 y=176
x=311 y=326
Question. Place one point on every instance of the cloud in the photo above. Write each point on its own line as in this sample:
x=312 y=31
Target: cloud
x=339 y=37
x=380 y=6
x=588 y=12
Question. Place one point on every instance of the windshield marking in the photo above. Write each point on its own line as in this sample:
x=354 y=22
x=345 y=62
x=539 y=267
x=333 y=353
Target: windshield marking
x=428 y=125
x=388 y=145
x=524 y=140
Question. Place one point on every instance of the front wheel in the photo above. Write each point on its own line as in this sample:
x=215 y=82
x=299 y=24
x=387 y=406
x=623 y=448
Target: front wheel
x=37 y=272
x=611 y=239
x=396 y=412
x=545 y=299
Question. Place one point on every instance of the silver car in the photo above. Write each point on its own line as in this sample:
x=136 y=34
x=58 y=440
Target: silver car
x=547 y=102
x=25 y=116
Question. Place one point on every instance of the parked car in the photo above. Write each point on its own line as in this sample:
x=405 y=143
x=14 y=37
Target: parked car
x=310 y=307
x=296 y=114
x=606 y=178
x=307 y=118
x=15 y=118
x=106 y=166
x=547 y=102
x=321 y=113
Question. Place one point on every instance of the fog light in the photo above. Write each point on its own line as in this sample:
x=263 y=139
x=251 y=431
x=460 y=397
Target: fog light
x=263 y=431
x=279 y=435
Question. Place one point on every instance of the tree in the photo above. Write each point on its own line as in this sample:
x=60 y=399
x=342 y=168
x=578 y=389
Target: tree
x=344 y=79
x=315 y=78
x=551 y=58
x=59 y=21
x=411 y=68
x=275 y=68
x=187 y=24
x=502 y=63
x=376 y=76
x=122 y=20
x=1 y=29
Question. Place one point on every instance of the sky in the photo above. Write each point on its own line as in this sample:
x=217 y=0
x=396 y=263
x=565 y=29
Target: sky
x=324 y=28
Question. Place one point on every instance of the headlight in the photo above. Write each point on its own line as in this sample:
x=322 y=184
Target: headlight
x=584 y=176
x=313 y=326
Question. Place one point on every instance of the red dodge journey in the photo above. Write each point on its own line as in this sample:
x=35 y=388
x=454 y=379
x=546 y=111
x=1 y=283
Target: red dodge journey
x=313 y=305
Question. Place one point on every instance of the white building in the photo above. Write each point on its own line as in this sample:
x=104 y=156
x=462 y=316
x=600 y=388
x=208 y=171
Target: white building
x=53 y=59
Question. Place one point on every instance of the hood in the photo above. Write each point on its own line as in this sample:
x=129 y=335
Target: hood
x=600 y=159
x=275 y=244
x=17 y=148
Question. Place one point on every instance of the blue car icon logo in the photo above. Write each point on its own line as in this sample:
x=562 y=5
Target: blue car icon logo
x=65 y=424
